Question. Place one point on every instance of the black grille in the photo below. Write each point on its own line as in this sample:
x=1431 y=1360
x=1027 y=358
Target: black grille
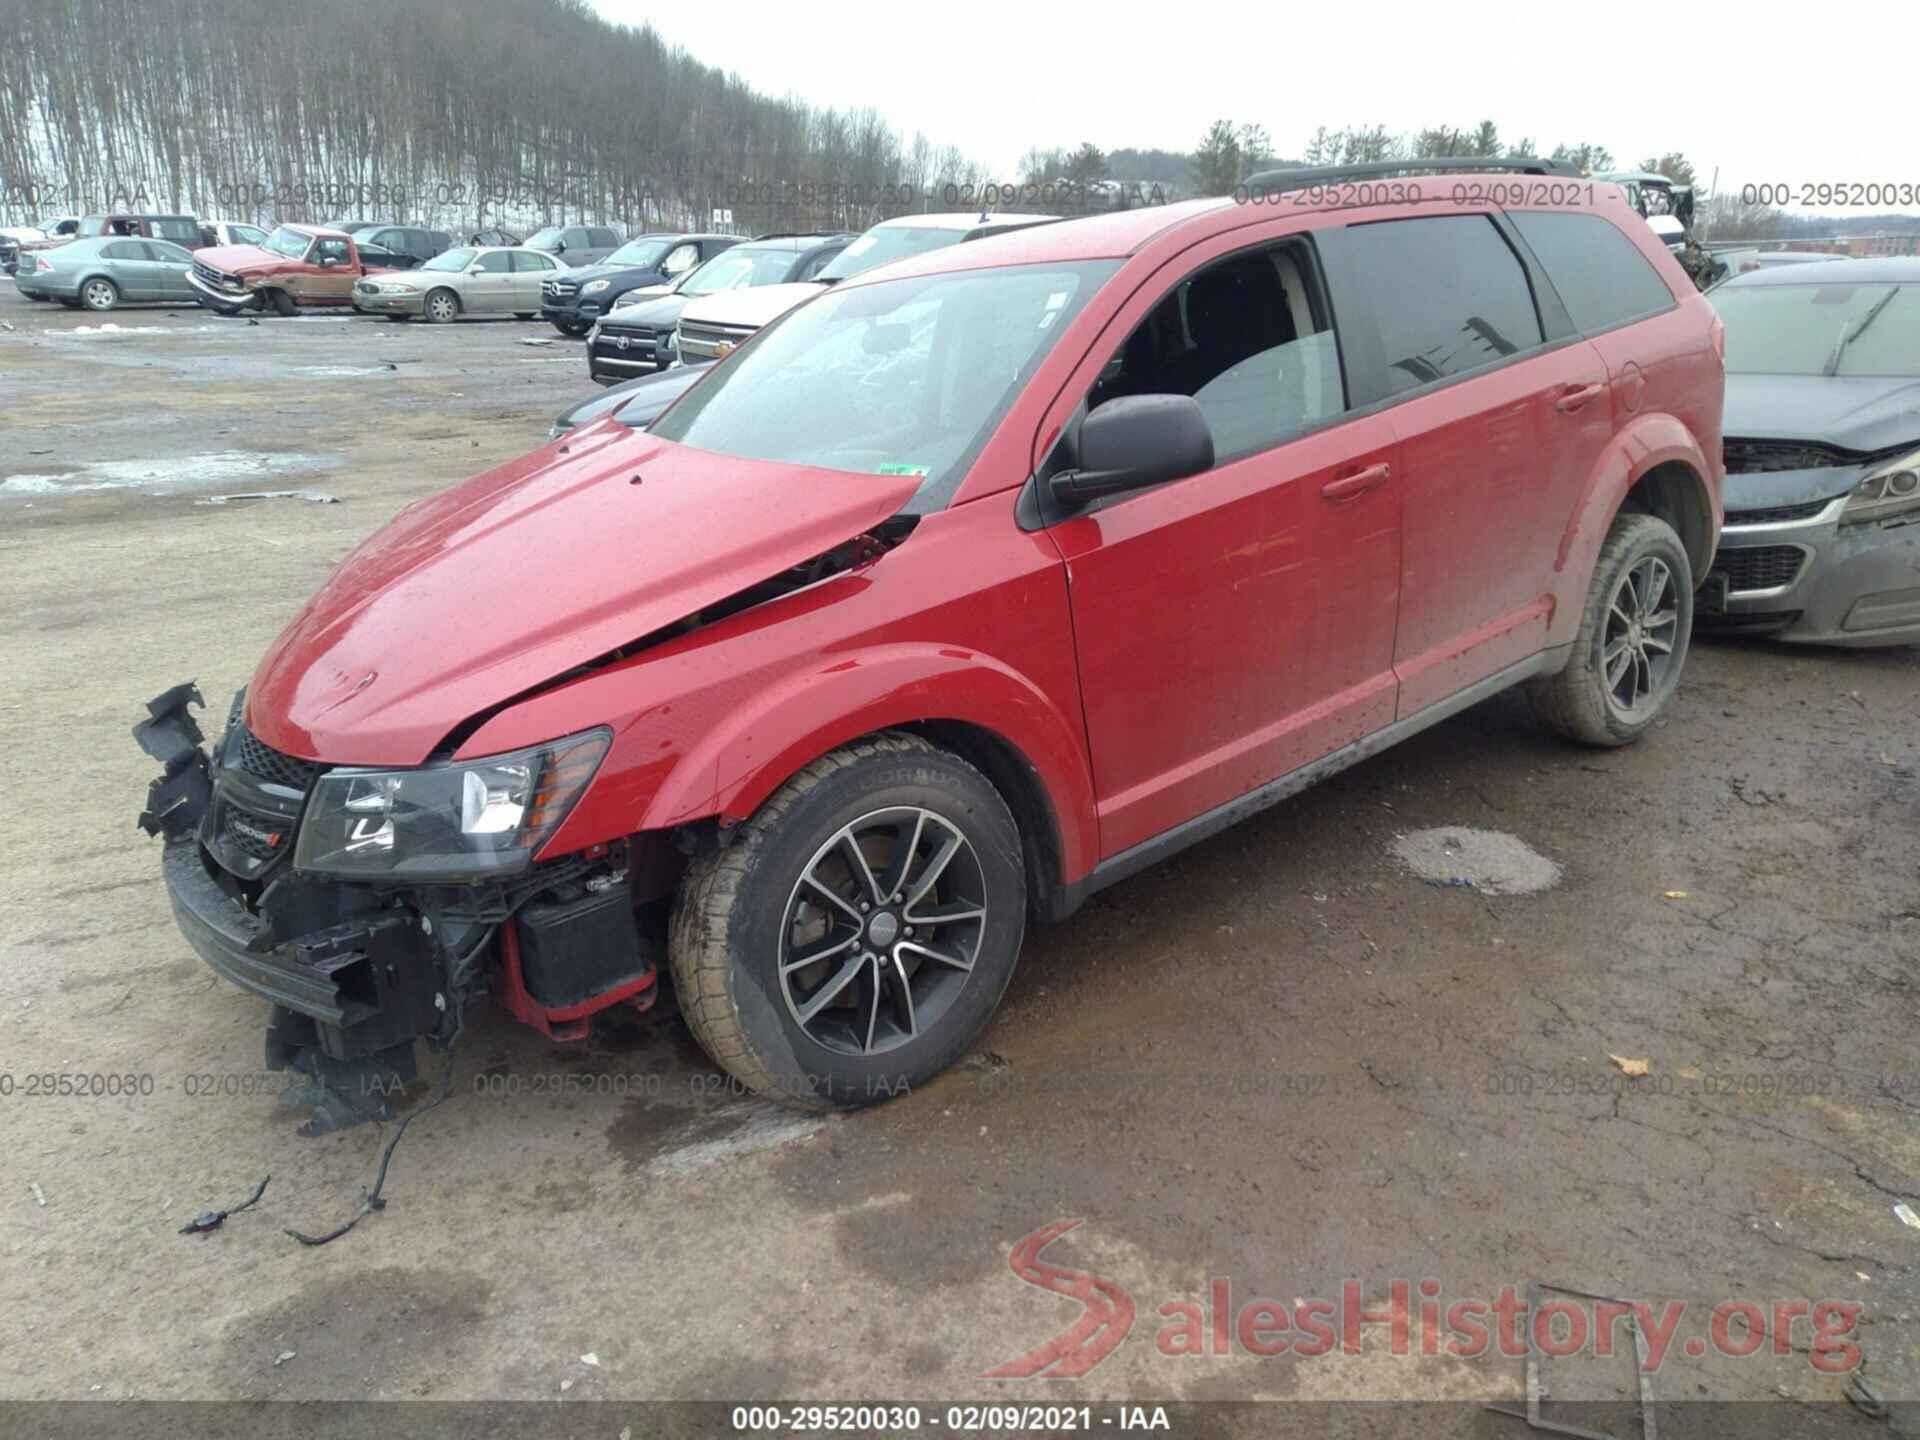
x=260 y=836
x=1761 y=567
x=1751 y=457
x=246 y=753
x=1777 y=514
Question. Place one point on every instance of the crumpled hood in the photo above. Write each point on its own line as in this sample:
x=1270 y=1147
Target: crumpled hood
x=238 y=259
x=482 y=592
x=1865 y=413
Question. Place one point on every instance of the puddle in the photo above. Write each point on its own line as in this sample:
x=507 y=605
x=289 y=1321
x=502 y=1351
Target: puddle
x=1490 y=861
x=343 y=370
x=183 y=472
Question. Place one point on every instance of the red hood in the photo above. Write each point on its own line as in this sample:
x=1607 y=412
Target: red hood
x=238 y=259
x=472 y=596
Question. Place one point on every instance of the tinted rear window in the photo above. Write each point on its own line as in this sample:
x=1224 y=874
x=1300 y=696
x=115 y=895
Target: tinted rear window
x=1601 y=275
x=1449 y=293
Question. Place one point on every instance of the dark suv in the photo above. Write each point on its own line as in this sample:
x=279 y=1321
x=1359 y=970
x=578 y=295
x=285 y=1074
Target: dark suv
x=394 y=247
x=574 y=299
x=978 y=582
x=636 y=339
x=576 y=245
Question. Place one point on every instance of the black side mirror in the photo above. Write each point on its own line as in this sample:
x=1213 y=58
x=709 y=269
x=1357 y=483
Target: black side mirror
x=1134 y=442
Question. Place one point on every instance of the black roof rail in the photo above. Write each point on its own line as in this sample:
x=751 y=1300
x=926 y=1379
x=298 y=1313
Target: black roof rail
x=1274 y=182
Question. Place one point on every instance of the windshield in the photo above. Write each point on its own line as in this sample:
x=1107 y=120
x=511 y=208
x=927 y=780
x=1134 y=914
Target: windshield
x=888 y=242
x=1821 y=329
x=906 y=377
x=291 y=243
x=739 y=267
x=546 y=239
x=450 y=260
x=640 y=254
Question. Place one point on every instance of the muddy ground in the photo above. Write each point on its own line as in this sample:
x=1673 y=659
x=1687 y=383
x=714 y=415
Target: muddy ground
x=1280 y=1059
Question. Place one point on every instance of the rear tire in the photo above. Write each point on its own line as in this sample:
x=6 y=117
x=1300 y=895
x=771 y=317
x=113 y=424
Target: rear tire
x=1632 y=642
x=914 y=950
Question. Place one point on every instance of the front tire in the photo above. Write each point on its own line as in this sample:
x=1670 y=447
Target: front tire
x=1632 y=642
x=99 y=294
x=572 y=329
x=282 y=304
x=440 y=307
x=854 y=937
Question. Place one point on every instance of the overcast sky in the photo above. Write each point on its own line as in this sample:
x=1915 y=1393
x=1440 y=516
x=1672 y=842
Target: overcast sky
x=1761 y=100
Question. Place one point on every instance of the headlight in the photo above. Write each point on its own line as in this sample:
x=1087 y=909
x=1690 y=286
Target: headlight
x=594 y=287
x=1893 y=489
x=477 y=820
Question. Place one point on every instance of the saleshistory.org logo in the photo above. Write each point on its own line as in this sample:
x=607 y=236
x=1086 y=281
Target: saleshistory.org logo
x=1466 y=1329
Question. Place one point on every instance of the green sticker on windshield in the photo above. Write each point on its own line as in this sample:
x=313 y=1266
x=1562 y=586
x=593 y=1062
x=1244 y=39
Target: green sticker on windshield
x=903 y=469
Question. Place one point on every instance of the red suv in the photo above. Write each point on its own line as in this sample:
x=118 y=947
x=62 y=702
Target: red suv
x=980 y=582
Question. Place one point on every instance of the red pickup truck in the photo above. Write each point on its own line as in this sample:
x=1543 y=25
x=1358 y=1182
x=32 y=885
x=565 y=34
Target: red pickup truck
x=297 y=266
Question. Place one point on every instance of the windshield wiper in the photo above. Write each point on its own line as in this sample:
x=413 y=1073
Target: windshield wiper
x=1847 y=337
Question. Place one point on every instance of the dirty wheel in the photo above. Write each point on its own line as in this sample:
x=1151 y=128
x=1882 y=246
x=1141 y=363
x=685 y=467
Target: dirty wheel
x=440 y=306
x=99 y=293
x=282 y=304
x=1632 y=642
x=858 y=931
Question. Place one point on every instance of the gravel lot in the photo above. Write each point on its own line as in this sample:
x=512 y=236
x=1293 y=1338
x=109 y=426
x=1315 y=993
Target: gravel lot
x=1282 y=1059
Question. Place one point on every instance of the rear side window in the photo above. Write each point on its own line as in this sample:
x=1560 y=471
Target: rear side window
x=532 y=260
x=602 y=238
x=180 y=231
x=1601 y=275
x=1449 y=294
x=125 y=250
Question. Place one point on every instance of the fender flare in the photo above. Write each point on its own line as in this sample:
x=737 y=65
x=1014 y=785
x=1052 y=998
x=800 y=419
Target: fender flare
x=1642 y=445
x=740 y=761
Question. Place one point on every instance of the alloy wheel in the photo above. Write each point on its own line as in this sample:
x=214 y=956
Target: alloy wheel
x=882 y=930
x=1642 y=625
x=98 y=295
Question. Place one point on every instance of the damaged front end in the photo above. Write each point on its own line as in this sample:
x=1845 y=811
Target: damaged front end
x=370 y=907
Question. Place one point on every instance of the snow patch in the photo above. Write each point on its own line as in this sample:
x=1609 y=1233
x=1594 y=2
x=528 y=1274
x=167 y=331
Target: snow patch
x=223 y=467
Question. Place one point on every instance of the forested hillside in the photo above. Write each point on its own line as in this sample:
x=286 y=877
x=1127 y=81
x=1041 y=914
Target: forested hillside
x=515 y=111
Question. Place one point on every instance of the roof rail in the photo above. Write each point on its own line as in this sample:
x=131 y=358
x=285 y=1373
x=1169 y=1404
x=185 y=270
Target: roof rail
x=1275 y=182
x=796 y=234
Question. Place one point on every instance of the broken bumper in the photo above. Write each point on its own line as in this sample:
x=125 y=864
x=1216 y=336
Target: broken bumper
x=1814 y=581
x=367 y=984
x=227 y=302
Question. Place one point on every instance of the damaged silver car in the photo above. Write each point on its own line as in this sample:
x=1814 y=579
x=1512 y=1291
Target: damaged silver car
x=1822 y=537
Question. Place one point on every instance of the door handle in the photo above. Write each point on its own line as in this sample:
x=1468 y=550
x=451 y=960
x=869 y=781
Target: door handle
x=1574 y=399
x=1346 y=487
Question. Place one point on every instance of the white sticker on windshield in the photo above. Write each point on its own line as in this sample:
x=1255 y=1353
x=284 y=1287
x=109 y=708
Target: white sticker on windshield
x=1055 y=303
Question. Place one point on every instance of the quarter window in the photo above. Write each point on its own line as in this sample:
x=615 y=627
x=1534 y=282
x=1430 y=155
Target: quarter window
x=1448 y=293
x=1601 y=276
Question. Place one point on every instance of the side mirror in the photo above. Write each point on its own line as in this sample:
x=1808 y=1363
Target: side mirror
x=1135 y=442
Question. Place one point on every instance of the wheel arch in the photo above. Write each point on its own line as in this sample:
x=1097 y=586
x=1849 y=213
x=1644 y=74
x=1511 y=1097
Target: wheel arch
x=1652 y=466
x=1000 y=721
